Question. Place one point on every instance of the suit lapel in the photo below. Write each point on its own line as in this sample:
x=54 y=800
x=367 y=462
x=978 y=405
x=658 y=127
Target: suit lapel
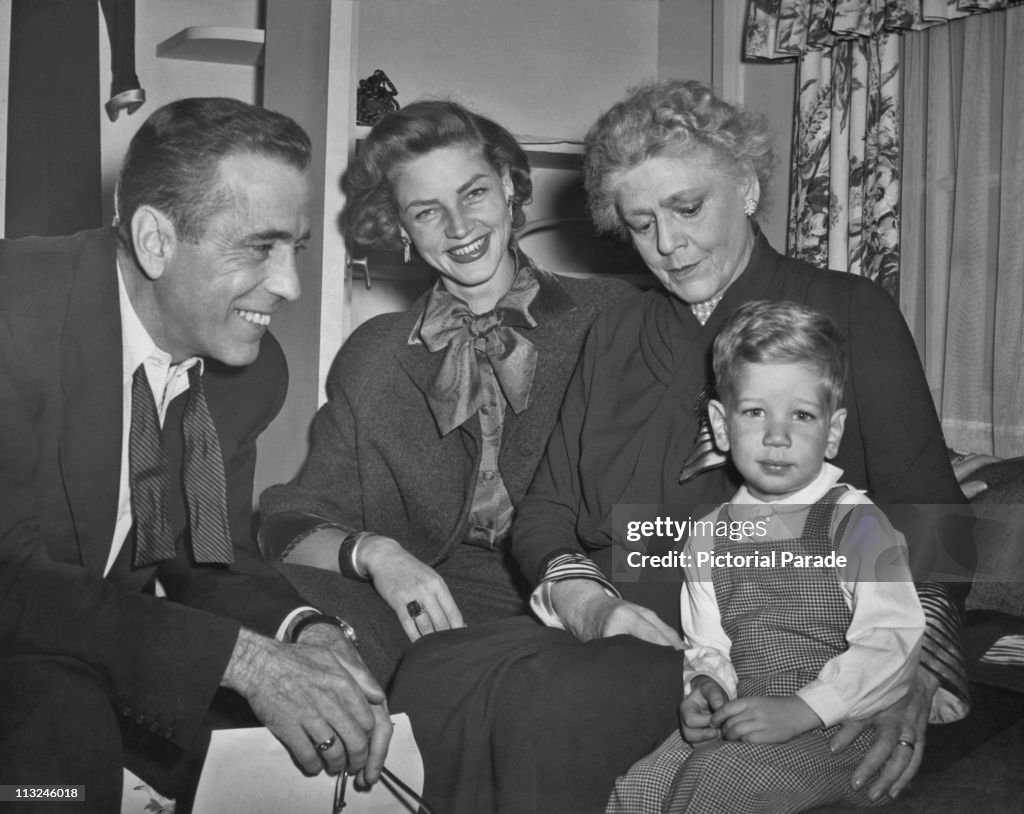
x=91 y=361
x=419 y=364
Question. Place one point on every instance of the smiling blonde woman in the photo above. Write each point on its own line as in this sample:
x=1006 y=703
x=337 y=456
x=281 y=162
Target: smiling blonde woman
x=436 y=418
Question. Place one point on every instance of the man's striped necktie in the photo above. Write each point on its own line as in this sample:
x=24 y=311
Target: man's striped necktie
x=205 y=492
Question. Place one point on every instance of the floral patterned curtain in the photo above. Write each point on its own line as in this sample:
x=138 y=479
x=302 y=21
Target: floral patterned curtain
x=845 y=182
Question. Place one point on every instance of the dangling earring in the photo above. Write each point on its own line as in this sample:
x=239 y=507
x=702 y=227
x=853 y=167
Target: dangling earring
x=511 y=203
x=406 y=254
x=750 y=207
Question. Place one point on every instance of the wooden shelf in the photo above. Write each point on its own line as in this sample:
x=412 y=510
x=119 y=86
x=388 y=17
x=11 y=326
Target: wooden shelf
x=215 y=43
x=551 y=144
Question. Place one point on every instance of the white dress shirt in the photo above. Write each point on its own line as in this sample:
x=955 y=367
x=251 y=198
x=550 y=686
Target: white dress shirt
x=168 y=381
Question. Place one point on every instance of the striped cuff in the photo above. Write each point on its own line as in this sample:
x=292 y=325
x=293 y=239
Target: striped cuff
x=575 y=566
x=941 y=652
x=561 y=567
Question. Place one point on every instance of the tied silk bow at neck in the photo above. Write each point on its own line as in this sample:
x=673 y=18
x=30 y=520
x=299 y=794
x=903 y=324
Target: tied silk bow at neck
x=456 y=392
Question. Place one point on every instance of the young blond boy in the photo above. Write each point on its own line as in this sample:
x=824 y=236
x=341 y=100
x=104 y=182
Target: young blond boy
x=809 y=620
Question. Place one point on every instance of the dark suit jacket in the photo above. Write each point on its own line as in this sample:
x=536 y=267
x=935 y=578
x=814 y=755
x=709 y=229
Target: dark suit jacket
x=60 y=450
x=378 y=461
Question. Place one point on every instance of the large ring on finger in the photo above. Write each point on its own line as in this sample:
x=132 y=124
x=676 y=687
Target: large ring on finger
x=414 y=609
x=909 y=744
x=327 y=744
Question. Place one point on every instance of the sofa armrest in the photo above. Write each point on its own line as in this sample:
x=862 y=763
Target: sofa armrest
x=999 y=537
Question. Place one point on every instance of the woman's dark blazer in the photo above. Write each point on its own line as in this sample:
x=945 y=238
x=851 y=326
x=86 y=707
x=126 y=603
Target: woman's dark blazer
x=378 y=461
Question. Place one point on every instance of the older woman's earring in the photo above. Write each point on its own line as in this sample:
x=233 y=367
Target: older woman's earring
x=406 y=254
x=750 y=207
x=511 y=203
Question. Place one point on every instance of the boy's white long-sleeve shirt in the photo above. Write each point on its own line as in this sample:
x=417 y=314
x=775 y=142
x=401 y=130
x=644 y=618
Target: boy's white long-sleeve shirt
x=887 y=622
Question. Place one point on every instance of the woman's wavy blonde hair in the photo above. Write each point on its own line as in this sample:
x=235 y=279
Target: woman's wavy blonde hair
x=370 y=215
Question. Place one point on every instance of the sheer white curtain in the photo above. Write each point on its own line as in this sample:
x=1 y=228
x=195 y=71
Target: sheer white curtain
x=962 y=265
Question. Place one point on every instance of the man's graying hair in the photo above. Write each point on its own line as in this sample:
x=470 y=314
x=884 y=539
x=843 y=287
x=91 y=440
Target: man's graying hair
x=173 y=160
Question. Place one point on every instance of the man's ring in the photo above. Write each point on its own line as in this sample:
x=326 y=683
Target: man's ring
x=414 y=609
x=909 y=744
x=327 y=744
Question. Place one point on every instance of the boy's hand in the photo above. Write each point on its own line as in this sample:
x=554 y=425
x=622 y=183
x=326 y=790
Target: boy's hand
x=758 y=719
x=705 y=696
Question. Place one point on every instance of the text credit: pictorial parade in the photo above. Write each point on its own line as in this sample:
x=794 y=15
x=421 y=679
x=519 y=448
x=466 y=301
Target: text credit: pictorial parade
x=734 y=530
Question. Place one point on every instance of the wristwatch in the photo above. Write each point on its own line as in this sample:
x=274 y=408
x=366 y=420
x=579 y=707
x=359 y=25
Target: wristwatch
x=314 y=618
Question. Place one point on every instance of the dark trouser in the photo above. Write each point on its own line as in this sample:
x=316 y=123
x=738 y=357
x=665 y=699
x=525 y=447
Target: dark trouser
x=515 y=718
x=58 y=727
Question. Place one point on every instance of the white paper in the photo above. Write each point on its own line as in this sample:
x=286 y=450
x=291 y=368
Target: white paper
x=248 y=771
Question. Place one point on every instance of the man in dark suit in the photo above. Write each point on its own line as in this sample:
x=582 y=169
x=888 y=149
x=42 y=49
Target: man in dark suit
x=125 y=606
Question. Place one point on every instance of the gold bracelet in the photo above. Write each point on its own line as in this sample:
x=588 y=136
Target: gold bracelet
x=347 y=556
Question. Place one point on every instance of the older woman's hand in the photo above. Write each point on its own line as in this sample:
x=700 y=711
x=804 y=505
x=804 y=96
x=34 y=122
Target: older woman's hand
x=905 y=722
x=589 y=612
x=966 y=465
x=401 y=579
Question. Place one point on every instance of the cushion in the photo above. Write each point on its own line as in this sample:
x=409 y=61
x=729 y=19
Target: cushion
x=999 y=581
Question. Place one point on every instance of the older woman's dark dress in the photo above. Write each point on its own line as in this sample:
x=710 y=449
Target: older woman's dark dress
x=627 y=425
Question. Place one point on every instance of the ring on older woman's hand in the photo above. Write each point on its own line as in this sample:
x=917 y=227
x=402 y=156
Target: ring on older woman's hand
x=909 y=744
x=414 y=609
x=327 y=744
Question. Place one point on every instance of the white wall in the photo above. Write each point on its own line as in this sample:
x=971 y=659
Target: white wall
x=549 y=67
x=770 y=89
x=540 y=67
x=686 y=47
x=165 y=80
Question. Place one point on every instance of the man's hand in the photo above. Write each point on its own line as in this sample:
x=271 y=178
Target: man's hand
x=762 y=719
x=590 y=613
x=906 y=721
x=311 y=692
x=705 y=697
x=401 y=578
